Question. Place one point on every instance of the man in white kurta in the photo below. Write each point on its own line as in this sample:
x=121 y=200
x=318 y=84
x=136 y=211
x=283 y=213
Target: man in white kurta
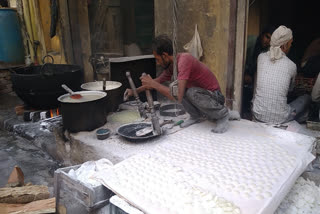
x=275 y=76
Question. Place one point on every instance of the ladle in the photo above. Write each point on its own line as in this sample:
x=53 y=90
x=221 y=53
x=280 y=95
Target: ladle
x=72 y=94
x=148 y=130
x=104 y=84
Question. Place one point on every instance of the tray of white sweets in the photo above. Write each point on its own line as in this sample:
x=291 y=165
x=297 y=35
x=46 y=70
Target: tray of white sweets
x=196 y=171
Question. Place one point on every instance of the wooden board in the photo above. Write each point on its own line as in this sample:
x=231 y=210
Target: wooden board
x=41 y=206
x=80 y=33
x=25 y=194
x=65 y=31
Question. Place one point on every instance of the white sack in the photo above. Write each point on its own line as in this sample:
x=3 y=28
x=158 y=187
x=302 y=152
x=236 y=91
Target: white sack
x=194 y=46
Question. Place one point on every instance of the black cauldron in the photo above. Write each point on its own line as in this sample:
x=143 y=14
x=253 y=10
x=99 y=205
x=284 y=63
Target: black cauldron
x=40 y=86
x=84 y=114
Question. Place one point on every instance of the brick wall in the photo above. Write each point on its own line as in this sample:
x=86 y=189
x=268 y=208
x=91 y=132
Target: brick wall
x=5 y=82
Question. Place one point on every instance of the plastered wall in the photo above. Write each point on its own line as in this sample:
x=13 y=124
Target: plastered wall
x=212 y=17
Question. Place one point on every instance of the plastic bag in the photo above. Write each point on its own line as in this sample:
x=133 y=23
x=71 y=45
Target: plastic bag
x=194 y=46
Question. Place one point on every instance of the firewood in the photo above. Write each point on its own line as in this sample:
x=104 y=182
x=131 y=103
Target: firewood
x=19 y=109
x=36 y=207
x=25 y=194
x=16 y=177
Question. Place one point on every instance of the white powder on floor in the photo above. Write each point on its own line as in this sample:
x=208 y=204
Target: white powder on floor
x=304 y=197
x=125 y=116
x=86 y=172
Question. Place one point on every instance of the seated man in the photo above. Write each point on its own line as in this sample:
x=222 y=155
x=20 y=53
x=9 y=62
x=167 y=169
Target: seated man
x=198 y=89
x=254 y=48
x=275 y=76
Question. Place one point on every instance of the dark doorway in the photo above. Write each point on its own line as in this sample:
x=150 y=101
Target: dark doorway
x=302 y=17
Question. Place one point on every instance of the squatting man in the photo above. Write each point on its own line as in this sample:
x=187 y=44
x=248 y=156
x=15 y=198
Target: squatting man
x=198 y=89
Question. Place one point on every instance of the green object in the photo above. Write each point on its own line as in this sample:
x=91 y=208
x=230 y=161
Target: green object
x=176 y=124
x=179 y=122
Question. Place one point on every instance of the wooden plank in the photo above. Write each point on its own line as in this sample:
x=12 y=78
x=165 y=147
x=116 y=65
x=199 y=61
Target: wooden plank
x=66 y=44
x=42 y=51
x=79 y=22
x=241 y=35
x=36 y=207
x=27 y=19
x=231 y=54
x=44 y=6
x=75 y=32
x=85 y=39
x=25 y=194
x=32 y=19
x=23 y=26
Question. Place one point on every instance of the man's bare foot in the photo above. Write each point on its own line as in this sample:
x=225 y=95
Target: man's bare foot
x=222 y=125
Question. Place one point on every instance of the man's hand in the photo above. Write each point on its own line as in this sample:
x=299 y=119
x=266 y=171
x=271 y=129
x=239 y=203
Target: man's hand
x=127 y=94
x=148 y=82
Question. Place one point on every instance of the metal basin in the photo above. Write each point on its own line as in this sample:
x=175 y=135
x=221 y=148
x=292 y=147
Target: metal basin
x=40 y=86
x=113 y=89
x=84 y=114
x=128 y=131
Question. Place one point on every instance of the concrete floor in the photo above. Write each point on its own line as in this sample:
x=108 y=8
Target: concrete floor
x=37 y=166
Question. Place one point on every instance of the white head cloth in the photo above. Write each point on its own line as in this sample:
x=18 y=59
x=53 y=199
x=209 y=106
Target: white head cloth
x=280 y=36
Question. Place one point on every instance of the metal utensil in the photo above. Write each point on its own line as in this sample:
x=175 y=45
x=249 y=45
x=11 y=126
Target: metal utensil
x=172 y=110
x=176 y=124
x=135 y=94
x=148 y=130
x=104 y=84
x=154 y=118
x=72 y=94
x=128 y=131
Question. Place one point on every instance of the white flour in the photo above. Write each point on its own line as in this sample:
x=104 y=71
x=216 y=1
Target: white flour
x=304 y=198
x=98 y=86
x=125 y=116
x=86 y=172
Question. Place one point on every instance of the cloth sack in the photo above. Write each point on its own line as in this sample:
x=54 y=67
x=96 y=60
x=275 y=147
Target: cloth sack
x=194 y=46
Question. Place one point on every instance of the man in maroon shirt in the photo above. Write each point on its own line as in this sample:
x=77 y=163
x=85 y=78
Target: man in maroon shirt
x=198 y=89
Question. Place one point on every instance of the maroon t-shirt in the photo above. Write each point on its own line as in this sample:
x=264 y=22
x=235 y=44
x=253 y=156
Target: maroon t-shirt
x=191 y=69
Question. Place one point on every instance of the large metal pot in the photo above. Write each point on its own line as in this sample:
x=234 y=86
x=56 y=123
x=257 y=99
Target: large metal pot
x=113 y=90
x=84 y=114
x=40 y=86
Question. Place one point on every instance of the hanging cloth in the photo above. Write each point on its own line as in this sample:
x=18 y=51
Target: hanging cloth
x=194 y=46
x=54 y=17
